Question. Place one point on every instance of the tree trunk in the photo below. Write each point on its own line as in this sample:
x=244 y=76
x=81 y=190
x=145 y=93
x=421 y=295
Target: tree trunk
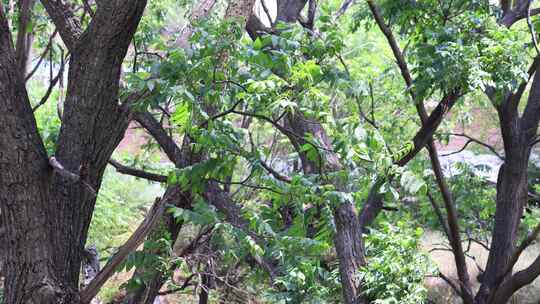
x=24 y=36
x=512 y=190
x=46 y=211
x=93 y=125
x=348 y=237
x=24 y=172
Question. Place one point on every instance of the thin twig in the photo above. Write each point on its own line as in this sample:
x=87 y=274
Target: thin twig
x=472 y=140
x=52 y=84
x=439 y=214
x=42 y=56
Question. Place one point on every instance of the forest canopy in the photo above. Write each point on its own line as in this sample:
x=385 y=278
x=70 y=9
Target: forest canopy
x=269 y=151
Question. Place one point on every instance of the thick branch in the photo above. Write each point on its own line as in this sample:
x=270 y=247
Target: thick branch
x=531 y=113
x=167 y=144
x=274 y=173
x=24 y=38
x=434 y=120
x=516 y=282
x=65 y=20
x=533 y=235
x=344 y=7
x=517 y=14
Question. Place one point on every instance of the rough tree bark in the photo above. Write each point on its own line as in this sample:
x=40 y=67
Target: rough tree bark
x=30 y=275
x=45 y=211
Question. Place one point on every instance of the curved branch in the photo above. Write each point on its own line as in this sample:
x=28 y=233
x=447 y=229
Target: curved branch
x=533 y=235
x=531 y=27
x=516 y=282
x=536 y=141
x=451 y=283
x=432 y=123
x=42 y=56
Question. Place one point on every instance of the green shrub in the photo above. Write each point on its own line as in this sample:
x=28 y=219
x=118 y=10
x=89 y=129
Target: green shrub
x=120 y=205
x=396 y=268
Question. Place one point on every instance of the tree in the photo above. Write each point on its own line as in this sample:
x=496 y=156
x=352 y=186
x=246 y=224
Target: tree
x=271 y=154
x=47 y=202
x=518 y=132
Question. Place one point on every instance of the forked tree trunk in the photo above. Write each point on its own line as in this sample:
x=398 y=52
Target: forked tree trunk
x=47 y=212
x=24 y=195
x=518 y=134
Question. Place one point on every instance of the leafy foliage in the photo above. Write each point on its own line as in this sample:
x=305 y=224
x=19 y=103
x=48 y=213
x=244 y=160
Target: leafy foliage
x=227 y=98
x=120 y=205
x=396 y=270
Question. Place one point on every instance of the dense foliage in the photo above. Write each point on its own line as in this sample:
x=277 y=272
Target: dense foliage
x=302 y=162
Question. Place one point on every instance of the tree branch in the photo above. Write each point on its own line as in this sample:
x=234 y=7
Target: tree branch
x=274 y=173
x=434 y=120
x=531 y=114
x=536 y=141
x=129 y=246
x=516 y=282
x=473 y=140
x=24 y=38
x=452 y=229
x=76 y=178
x=439 y=214
x=167 y=144
x=65 y=20
x=42 y=56
x=137 y=172
x=52 y=84
x=344 y=7
x=451 y=283
x=531 y=237
x=517 y=14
